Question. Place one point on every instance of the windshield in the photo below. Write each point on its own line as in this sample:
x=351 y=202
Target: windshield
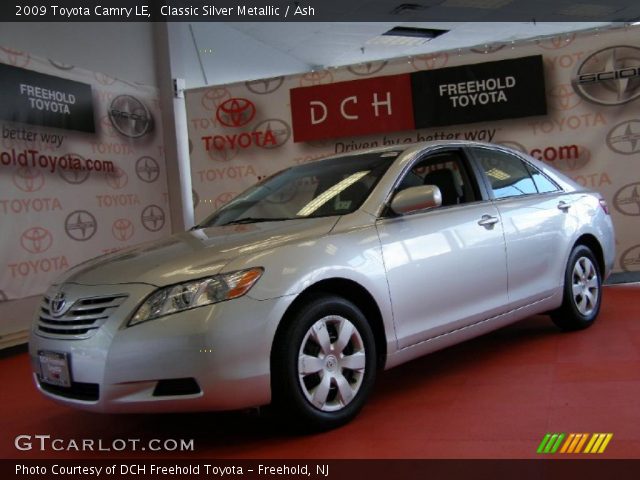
x=328 y=187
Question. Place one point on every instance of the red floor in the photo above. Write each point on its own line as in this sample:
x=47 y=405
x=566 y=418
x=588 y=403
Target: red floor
x=493 y=397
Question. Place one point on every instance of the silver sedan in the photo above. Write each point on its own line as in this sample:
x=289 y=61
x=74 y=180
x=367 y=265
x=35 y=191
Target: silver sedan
x=302 y=288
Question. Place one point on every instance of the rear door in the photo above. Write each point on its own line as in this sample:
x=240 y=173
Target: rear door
x=446 y=266
x=533 y=210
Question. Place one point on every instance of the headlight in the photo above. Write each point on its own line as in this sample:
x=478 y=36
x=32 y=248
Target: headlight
x=197 y=293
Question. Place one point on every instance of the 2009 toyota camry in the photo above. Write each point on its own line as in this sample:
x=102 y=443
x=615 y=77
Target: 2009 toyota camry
x=304 y=286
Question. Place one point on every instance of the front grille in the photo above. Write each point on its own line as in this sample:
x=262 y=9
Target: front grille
x=81 y=319
x=89 y=392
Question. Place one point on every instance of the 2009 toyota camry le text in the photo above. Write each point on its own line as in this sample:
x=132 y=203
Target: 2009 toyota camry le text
x=301 y=289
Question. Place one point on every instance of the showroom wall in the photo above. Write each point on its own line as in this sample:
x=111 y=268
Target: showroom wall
x=52 y=217
x=242 y=132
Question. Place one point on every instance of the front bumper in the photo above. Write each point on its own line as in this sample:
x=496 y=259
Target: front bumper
x=224 y=347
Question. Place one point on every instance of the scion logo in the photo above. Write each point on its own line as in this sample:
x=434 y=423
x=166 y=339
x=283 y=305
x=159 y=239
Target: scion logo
x=16 y=57
x=557 y=42
x=321 y=77
x=60 y=65
x=214 y=97
x=152 y=218
x=58 y=302
x=276 y=129
x=223 y=198
x=36 y=240
x=147 y=169
x=431 y=61
x=367 y=68
x=130 y=117
x=236 y=112
x=630 y=259
x=610 y=76
x=117 y=179
x=222 y=155
x=627 y=199
x=195 y=198
x=263 y=87
x=624 y=138
x=28 y=179
x=122 y=229
x=562 y=97
x=80 y=225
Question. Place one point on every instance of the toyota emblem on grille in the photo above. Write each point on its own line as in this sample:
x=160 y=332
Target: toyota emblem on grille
x=57 y=304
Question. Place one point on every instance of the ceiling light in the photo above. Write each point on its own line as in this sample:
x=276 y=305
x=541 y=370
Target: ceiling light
x=406 y=36
x=486 y=4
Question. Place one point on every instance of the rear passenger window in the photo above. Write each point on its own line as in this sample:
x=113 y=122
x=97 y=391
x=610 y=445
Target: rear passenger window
x=543 y=183
x=507 y=174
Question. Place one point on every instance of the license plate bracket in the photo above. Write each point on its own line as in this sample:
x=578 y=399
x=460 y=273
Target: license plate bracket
x=54 y=368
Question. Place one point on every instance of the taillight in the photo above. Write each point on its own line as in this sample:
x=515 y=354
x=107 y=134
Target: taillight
x=605 y=207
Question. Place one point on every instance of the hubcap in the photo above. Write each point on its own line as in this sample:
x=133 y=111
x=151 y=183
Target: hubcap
x=585 y=286
x=331 y=363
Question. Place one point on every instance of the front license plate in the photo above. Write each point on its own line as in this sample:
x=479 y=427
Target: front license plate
x=54 y=368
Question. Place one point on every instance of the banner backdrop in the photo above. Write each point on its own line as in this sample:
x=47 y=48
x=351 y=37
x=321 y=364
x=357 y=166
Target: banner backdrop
x=84 y=180
x=591 y=131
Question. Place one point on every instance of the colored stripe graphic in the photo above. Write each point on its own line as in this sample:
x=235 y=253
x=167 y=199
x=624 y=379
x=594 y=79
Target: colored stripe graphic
x=574 y=443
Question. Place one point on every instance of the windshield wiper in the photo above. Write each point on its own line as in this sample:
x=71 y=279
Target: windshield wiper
x=255 y=220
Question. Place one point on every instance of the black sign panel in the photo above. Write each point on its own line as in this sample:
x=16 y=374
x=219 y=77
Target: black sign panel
x=479 y=93
x=39 y=99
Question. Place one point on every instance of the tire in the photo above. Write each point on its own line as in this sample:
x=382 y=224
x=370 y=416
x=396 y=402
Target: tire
x=582 y=293
x=323 y=364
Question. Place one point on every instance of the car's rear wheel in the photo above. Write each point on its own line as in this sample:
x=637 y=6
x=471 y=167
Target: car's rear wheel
x=323 y=363
x=582 y=293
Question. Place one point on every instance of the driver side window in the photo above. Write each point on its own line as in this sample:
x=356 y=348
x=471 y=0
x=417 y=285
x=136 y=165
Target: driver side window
x=446 y=171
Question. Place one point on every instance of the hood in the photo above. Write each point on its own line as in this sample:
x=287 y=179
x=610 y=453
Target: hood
x=195 y=254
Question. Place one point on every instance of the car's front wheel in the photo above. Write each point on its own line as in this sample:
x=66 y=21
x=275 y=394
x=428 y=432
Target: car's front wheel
x=582 y=291
x=324 y=363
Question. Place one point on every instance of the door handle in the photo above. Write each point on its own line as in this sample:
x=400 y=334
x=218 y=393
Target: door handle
x=564 y=206
x=488 y=221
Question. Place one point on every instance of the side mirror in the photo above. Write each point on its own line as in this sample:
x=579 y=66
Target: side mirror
x=413 y=199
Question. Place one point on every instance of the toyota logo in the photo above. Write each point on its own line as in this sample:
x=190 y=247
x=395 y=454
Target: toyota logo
x=28 y=179
x=488 y=49
x=16 y=57
x=122 y=229
x=36 y=240
x=316 y=78
x=367 y=68
x=61 y=65
x=223 y=198
x=130 y=117
x=263 y=87
x=80 y=225
x=214 y=97
x=624 y=138
x=152 y=218
x=57 y=304
x=280 y=130
x=610 y=76
x=562 y=97
x=223 y=155
x=627 y=200
x=630 y=259
x=431 y=61
x=147 y=169
x=236 y=112
x=74 y=177
x=557 y=42
x=117 y=179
